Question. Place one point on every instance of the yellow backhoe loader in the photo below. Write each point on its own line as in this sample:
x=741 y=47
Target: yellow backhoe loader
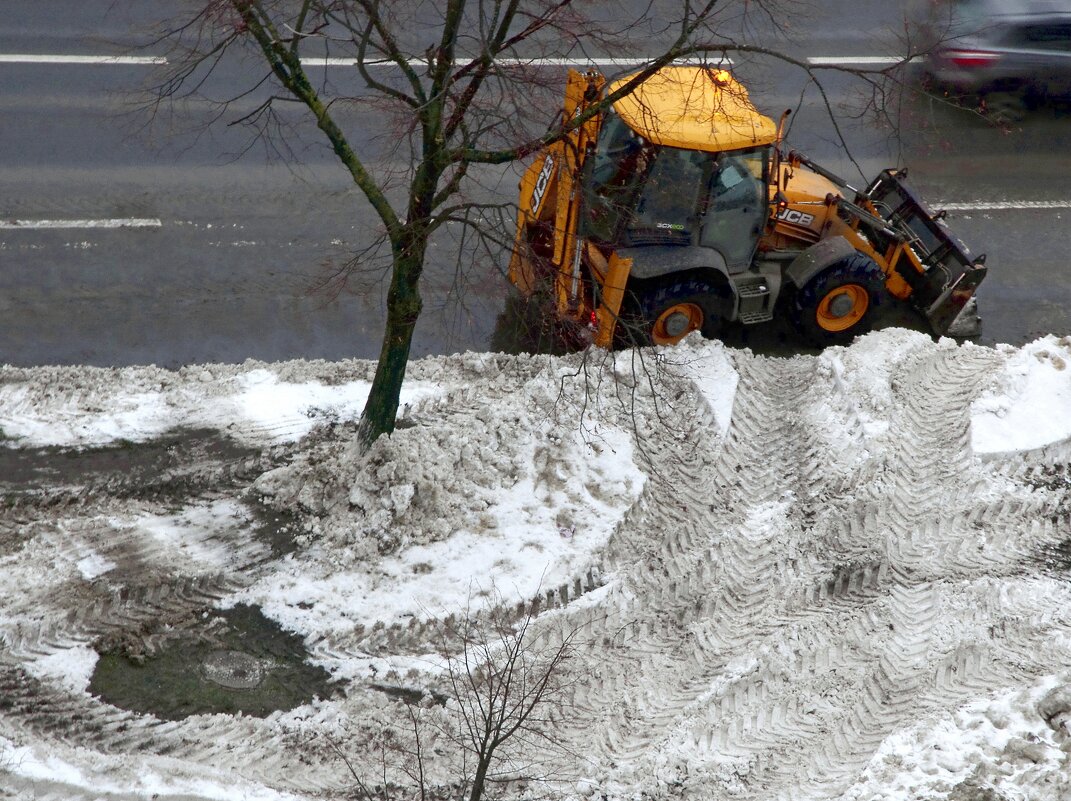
x=675 y=210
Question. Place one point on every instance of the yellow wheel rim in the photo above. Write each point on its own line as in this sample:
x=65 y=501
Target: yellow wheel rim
x=675 y=323
x=843 y=307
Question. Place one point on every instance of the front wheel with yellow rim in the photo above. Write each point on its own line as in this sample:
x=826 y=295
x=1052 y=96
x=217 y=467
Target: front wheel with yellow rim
x=671 y=309
x=838 y=304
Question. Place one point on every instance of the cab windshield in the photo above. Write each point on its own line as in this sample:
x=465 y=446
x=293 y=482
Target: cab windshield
x=667 y=206
x=637 y=193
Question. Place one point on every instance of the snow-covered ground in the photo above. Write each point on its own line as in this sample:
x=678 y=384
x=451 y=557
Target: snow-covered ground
x=836 y=576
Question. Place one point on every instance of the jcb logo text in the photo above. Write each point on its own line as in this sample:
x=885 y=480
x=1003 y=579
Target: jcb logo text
x=541 y=184
x=793 y=216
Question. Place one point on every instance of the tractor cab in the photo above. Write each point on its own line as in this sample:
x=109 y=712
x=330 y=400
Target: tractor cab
x=637 y=193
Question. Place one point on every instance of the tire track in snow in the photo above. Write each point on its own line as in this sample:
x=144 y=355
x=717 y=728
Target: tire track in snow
x=260 y=750
x=153 y=584
x=880 y=562
x=924 y=543
x=718 y=564
x=146 y=583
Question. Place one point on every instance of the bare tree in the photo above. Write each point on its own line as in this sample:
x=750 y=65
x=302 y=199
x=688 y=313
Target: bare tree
x=507 y=690
x=472 y=97
x=492 y=713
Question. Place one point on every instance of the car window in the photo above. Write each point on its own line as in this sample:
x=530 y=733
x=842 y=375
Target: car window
x=1046 y=36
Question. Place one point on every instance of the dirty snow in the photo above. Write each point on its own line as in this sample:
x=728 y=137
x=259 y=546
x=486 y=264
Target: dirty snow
x=539 y=523
x=254 y=404
x=1025 y=407
x=491 y=495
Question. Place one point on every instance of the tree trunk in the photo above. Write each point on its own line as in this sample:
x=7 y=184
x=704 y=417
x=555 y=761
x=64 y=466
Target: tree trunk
x=480 y=779
x=403 y=309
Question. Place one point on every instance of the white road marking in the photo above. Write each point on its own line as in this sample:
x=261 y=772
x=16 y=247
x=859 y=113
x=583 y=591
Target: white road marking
x=35 y=58
x=24 y=58
x=508 y=62
x=128 y=222
x=44 y=58
x=154 y=222
x=1004 y=205
x=869 y=61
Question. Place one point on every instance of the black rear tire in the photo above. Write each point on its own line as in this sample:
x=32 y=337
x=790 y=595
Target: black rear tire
x=839 y=303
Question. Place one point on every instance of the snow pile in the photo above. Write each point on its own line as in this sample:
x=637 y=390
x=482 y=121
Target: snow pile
x=1028 y=405
x=1024 y=407
x=708 y=366
x=861 y=376
x=468 y=500
x=1014 y=745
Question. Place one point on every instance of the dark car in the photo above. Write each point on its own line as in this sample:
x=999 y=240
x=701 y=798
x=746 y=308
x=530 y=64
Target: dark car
x=1004 y=56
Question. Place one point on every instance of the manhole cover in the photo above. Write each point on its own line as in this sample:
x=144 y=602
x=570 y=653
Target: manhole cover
x=234 y=669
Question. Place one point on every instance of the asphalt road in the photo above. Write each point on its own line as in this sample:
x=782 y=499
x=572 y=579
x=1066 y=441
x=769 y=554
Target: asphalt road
x=231 y=269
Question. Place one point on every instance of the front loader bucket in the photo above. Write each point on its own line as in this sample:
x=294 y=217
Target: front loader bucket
x=950 y=273
x=944 y=311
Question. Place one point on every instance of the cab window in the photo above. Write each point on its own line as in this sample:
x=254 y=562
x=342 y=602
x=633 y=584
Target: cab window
x=611 y=176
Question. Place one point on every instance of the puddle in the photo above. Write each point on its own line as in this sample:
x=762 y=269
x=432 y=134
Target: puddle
x=236 y=661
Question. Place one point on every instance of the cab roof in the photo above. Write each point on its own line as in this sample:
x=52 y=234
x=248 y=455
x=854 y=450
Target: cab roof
x=694 y=108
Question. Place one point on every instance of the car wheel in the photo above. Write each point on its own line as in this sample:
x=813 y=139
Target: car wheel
x=1004 y=108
